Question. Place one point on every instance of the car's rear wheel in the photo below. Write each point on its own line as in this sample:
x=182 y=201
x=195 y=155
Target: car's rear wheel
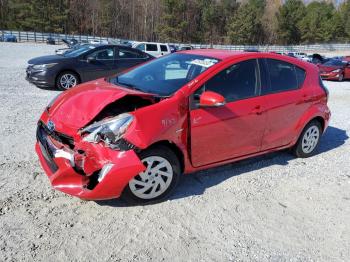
x=308 y=140
x=67 y=80
x=158 y=180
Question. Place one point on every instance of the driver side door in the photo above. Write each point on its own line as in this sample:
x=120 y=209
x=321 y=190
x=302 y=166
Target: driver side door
x=234 y=129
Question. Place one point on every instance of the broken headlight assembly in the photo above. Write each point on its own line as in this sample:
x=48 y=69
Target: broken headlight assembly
x=110 y=131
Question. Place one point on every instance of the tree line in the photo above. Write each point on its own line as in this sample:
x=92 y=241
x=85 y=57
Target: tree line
x=185 y=21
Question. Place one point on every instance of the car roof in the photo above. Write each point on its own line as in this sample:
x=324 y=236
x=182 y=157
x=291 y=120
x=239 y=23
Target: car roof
x=228 y=54
x=214 y=53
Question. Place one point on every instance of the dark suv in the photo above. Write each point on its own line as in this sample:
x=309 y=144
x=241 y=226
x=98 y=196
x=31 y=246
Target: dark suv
x=86 y=63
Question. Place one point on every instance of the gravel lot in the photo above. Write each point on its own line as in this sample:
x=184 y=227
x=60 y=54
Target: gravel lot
x=271 y=208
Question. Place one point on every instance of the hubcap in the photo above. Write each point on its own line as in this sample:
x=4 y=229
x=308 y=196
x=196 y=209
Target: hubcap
x=155 y=180
x=310 y=139
x=68 y=81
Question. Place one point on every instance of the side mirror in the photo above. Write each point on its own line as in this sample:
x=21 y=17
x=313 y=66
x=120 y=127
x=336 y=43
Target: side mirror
x=91 y=60
x=211 y=99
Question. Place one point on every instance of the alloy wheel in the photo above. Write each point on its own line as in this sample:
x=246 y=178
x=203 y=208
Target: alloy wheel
x=310 y=139
x=155 y=180
x=68 y=81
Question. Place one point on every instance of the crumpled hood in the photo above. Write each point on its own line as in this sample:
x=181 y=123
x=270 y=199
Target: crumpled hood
x=76 y=107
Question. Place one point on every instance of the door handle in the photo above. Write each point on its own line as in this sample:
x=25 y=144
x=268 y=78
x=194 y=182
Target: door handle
x=257 y=110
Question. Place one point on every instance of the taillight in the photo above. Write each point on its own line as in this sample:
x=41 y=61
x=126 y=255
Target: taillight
x=323 y=87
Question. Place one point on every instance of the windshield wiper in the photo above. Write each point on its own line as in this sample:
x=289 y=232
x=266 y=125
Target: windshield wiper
x=131 y=86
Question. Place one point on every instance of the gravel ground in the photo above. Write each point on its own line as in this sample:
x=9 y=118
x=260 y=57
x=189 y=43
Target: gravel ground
x=271 y=208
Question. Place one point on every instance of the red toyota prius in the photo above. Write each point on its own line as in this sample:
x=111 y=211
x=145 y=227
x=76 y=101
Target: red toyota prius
x=135 y=134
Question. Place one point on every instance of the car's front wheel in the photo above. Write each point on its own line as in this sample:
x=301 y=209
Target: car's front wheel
x=341 y=77
x=308 y=140
x=158 y=180
x=67 y=80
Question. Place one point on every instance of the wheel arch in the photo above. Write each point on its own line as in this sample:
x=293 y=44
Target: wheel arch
x=67 y=70
x=174 y=148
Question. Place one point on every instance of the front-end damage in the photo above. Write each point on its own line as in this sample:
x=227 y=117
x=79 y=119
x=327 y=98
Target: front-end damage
x=89 y=171
x=96 y=169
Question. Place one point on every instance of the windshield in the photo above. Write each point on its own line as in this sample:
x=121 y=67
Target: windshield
x=165 y=75
x=79 y=51
x=334 y=63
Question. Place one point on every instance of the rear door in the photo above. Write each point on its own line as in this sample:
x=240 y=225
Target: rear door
x=287 y=100
x=101 y=65
x=128 y=57
x=235 y=129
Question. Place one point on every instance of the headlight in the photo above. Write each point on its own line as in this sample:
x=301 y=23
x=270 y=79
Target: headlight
x=43 y=66
x=336 y=71
x=108 y=130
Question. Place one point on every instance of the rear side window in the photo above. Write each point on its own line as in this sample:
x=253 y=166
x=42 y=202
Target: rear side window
x=163 y=48
x=283 y=76
x=127 y=53
x=141 y=47
x=151 y=47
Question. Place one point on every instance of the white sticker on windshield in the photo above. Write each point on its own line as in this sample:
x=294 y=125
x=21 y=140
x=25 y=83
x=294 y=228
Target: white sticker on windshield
x=204 y=62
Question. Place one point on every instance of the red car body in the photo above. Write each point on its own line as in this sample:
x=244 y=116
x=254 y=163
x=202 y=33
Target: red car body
x=335 y=70
x=201 y=138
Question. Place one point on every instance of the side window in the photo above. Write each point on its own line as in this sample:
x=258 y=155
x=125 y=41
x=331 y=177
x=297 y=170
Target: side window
x=236 y=82
x=141 y=47
x=283 y=76
x=151 y=47
x=127 y=53
x=163 y=48
x=103 y=54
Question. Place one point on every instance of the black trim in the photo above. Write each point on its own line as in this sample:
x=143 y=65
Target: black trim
x=41 y=136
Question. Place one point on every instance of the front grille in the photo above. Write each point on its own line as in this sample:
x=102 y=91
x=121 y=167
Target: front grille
x=62 y=138
x=41 y=136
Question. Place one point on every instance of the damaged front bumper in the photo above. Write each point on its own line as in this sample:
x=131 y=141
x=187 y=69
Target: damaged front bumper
x=85 y=170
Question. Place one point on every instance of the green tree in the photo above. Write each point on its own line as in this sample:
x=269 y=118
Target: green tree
x=246 y=27
x=344 y=14
x=288 y=17
x=317 y=24
x=173 y=23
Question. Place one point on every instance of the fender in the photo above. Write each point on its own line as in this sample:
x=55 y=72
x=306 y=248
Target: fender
x=314 y=111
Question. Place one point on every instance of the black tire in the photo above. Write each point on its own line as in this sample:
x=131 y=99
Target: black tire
x=298 y=150
x=170 y=156
x=341 y=77
x=61 y=75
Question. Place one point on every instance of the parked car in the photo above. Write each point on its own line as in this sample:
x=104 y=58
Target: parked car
x=70 y=42
x=186 y=47
x=346 y=58
x=134 y=134
x=173 y=48
x=154 y=49
x=50 y=41
x=86 y=63
x=335 y=69
x=8 y=38
x=62 y=51
x=98 y=42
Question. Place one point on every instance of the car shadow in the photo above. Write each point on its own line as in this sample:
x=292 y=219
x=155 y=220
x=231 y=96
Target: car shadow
x=47 y=88
x=196 y=183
